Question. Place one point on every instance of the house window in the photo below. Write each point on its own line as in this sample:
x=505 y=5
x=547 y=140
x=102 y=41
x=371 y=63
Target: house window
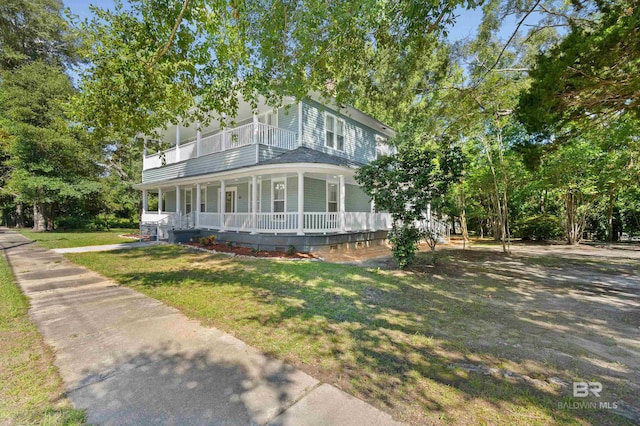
x=332 y=197
x=259 y=197
x=334 y=129
x=187 y=201
x=203 y=199
x=279 y=191
x=270 y=118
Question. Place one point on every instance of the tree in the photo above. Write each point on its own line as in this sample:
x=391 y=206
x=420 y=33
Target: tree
x=50 y=162
x=158 y=62
x=405 y=184
x=32 y=30
x=594 y=71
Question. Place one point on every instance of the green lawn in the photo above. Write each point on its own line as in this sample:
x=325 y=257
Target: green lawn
x=78 y=238
x=399 y=340
x=31 y=391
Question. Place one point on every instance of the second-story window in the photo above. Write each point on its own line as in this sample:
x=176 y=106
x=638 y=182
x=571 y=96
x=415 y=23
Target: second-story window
x=270 y=118
x=334 y=132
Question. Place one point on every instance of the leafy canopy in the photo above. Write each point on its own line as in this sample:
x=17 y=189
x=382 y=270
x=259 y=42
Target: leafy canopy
x=405 y=184
x=163 y=60
x=595 y=70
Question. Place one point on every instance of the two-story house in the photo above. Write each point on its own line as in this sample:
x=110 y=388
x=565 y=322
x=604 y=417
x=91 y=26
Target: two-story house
x=282 y=177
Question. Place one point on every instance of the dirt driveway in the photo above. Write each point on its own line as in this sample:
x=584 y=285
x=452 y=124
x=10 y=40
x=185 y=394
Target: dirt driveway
x=562 y=314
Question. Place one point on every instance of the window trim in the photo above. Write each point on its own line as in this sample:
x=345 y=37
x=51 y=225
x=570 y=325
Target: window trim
x=273 y=182
x=203 y=199
x=334 y=142
x=264 y=115
x=337 y=202
x=259 y=198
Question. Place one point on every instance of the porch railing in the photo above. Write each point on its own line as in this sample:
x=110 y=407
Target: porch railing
x=286 y=222
x=248 y=134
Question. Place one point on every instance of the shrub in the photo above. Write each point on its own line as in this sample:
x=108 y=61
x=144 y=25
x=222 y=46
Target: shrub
x=207 y=241
x=404 y=243
x=291 y=250
x=72 y=222
x=540 y=227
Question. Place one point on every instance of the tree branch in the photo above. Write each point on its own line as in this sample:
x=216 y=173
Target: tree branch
x=167 y=46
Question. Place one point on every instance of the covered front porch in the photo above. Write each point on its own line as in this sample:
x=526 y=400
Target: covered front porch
x=295 y=200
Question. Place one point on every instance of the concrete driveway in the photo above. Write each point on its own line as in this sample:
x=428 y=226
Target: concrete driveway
x=129 y=359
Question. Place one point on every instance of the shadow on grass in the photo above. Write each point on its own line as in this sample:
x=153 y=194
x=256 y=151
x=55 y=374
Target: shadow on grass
x=399 y=339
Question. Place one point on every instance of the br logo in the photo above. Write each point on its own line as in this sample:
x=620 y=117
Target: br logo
x=582 y=389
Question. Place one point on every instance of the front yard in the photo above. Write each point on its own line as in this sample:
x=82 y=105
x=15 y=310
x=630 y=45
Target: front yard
x=78 y=238
x=475 y=338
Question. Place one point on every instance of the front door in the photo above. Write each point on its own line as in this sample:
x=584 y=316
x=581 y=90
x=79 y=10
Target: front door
x=187 y=201
x=230 y=201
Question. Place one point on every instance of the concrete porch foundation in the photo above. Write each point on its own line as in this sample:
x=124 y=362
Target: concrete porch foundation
x=281 y=242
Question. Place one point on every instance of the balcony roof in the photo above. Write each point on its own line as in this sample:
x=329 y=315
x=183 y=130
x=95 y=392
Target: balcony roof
x=308 y=155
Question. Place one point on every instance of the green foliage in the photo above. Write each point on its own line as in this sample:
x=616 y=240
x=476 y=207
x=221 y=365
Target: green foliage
x=404 y=238
x=540 y=228
x=404 y=184
x=291 y=250
x=161 y=57
x=32 y=30
x=594 y=70
x=52 y=164
x=207 y=241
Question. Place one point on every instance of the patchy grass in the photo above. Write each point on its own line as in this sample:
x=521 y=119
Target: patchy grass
x=77 y=238
x=404 y=341
x=31 y=391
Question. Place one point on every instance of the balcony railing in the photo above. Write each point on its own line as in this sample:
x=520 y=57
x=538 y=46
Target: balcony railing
x=249 y=134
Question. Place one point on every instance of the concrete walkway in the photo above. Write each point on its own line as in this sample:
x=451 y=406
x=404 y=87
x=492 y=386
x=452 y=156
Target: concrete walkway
x=129 y=359
x=106 y=247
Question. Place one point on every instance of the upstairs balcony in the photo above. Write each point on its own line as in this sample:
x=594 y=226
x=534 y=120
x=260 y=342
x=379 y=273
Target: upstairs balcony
x=255 y=133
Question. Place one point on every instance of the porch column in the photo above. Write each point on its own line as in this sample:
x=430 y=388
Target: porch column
x=223 y=203
x=254 y=204
x=178 y=142
x=198 y=201
x=159 y=200
x=198 y=138
x=300 y=203
x=178 y=210
x=145 y=201
x=341 y=204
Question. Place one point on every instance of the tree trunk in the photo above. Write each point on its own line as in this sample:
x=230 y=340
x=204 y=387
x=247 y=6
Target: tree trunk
x=19 y=215
x=574 y=224
x=610 y=237
x=463 y=214
x=39 y=221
